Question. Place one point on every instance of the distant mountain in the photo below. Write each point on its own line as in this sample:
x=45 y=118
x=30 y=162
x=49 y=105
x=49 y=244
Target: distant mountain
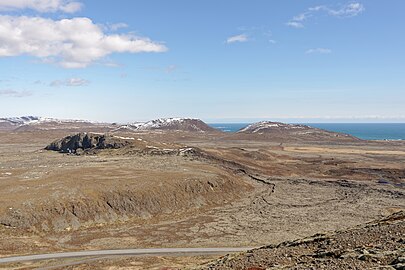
x=20 y=120
x=267 y=126
x=285 y=132
x=28 y=123
x=174 y=124
x=12 y=123
x=126 y=128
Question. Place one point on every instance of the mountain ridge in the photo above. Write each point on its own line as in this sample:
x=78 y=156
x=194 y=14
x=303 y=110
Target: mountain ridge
x=170 y=124
x=281 y=131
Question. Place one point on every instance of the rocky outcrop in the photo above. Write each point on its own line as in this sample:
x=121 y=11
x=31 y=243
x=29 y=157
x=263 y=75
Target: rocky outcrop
x=90 y=143
x=377 y=245
x=86 y=141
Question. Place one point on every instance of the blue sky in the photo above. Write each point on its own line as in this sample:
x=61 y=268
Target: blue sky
x=221 y=61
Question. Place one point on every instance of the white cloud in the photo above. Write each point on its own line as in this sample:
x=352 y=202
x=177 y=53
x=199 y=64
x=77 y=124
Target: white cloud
x=14 y=93
x=295 y=24
x=68 y=6
x=297 y=21
x=170 y=69
x=238 y=38
x=117 y=26
x=269 y=36
x=301 y=17
x=348 y=10
x=70 y=43
x=72 y=82
x=319 y=50
x=316 y=8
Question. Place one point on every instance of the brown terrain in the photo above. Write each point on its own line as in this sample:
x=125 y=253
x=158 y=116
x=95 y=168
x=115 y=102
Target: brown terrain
x=376 y=245
x=105 y=186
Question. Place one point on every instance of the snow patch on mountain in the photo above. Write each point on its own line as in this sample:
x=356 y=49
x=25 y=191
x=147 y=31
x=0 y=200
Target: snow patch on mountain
x=267 y=125
x=17 y=121
x=173 y=123
x=162 y=122
x=30 y=120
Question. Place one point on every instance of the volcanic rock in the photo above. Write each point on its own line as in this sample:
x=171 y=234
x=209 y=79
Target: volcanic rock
x=84 y=141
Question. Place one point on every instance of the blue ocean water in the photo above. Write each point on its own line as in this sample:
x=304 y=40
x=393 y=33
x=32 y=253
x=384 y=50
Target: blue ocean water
x=229 y=127
x=366 y=131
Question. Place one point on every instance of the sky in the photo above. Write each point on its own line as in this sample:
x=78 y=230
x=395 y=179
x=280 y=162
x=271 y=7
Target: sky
x=220 y=61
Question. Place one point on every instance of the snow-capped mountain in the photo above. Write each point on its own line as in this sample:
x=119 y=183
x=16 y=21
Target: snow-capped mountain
x=27 y=123
x=181 y=124
x=43 y=123
x=24 y=120
x=11 y=123
x=266 y=126
x=20 y=120
x=291 y=132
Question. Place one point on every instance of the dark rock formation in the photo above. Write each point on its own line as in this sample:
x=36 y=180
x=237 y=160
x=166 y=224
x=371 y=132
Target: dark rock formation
x=85 y=141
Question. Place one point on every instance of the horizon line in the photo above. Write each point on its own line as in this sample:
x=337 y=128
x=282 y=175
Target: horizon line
x=237 y=120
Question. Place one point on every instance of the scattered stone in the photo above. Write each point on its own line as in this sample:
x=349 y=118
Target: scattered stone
x=374 y=248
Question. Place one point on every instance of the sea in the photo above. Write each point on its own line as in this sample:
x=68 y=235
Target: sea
x=366 y=131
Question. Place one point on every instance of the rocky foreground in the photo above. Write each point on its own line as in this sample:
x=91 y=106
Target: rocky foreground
x=377 y=245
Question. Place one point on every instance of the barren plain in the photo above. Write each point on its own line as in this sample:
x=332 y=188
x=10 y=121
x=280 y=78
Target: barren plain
x=229 y=190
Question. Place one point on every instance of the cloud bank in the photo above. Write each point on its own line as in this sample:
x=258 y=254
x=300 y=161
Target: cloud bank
x=70 y=43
